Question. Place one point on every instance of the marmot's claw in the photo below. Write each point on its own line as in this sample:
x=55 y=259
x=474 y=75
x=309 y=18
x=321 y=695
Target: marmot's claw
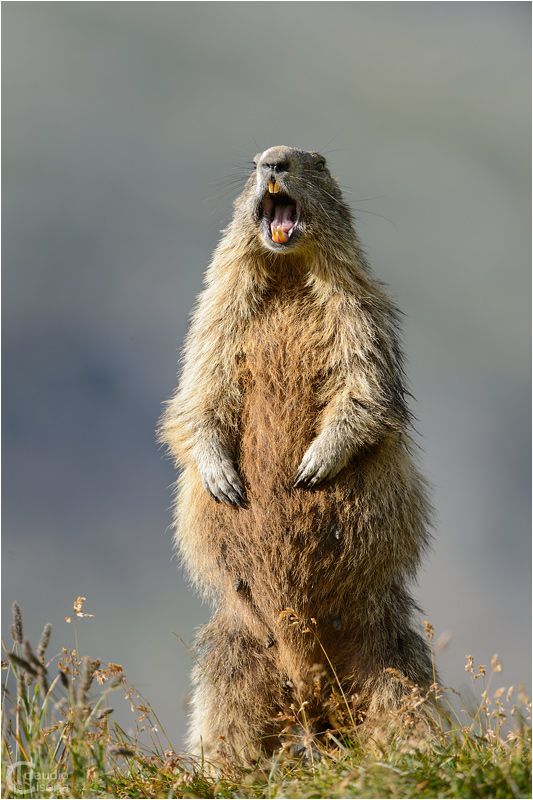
x=303 y=481
x=236 y=499
x=235 y=492
x=309 y=473
x=225 y=487
x=210 y=493
x=306 y=484
x=320 y=463
x=229 y=497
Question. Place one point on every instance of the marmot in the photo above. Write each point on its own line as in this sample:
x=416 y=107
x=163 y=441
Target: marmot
x=300 y=512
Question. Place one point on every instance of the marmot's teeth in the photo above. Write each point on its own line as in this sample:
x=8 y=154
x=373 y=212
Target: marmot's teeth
x=278 y=235
x=273 y=187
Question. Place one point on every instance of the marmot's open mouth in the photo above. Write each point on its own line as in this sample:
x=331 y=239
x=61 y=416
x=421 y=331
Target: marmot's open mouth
x=280 y=214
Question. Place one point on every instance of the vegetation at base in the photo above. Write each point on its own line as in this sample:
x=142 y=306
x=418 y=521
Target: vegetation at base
x=60 y=739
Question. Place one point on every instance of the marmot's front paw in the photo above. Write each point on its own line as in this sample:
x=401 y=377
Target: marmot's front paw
x=321 y=462
x=217 y=470
x=223 y=484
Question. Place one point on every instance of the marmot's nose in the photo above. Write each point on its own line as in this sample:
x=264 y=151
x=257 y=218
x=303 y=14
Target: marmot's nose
x=276 y=165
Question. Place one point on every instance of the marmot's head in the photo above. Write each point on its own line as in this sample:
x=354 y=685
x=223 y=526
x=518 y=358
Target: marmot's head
x=291 y=201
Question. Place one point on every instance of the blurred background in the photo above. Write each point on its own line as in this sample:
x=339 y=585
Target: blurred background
x=121 y=123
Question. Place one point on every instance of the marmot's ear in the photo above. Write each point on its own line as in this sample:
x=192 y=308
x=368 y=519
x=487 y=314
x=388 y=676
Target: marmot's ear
x=256 y=158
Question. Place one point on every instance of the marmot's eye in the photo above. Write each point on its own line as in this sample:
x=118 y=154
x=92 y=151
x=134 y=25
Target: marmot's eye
x=320 y=164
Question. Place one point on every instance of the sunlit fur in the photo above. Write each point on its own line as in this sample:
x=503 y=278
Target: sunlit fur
x=293 y=362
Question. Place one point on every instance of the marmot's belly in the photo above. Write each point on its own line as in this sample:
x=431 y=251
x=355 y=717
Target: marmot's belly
x=307 y=542
x=308 y=550
x=279 y=421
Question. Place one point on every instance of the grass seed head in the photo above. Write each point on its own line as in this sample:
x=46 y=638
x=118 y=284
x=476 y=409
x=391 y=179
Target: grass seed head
x=119 y=750
x=21 y=663
x=495 y=663
x=78 y=608
x=104 y=713
x=78 y=605
x=16 y=626
x=88 y=668
x=29 y=655
x=44 y=641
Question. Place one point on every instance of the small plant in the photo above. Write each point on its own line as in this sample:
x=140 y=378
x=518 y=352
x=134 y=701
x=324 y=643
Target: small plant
x=60 y=738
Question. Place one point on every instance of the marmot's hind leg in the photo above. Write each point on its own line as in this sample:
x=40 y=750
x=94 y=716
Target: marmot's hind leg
x=236 y=695
x=392 y=667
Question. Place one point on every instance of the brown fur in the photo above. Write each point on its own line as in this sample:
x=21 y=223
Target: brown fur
x=298 y=487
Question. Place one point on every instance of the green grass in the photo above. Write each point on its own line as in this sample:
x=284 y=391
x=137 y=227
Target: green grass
x=60 y=738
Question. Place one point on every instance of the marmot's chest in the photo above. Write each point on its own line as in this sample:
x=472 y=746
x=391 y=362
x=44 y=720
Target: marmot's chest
x=281 y=354
x=283 y=372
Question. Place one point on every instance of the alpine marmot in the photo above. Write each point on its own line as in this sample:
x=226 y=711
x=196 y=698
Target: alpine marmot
x=300 y=512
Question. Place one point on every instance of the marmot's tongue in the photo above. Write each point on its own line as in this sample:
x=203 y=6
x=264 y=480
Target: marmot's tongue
x=282 y=224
